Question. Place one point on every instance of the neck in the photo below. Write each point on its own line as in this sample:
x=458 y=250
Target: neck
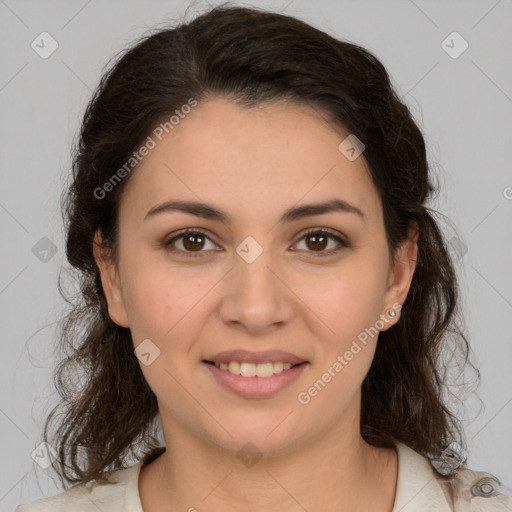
x=338 y=472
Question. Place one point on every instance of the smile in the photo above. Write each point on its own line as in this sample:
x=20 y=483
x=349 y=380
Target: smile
x=255 y=380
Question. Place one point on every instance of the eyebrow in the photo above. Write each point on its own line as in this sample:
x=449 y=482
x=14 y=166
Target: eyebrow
x=295 y=213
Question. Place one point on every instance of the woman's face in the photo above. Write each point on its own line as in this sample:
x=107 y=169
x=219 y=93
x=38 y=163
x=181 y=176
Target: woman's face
x=249 y=276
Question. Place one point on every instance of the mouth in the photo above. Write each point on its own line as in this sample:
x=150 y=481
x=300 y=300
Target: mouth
x=255 y=381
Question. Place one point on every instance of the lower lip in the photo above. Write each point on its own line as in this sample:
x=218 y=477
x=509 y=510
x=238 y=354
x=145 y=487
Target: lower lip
x=256 y=387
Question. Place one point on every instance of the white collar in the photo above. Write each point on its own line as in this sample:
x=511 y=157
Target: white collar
x=417 y=487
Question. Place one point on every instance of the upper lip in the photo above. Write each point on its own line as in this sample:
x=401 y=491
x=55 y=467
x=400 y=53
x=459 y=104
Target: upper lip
x=263 y=356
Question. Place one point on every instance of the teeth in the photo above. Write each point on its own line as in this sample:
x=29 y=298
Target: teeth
x=254 y=370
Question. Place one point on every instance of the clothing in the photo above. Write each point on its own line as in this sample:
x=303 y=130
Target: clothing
x=419 y=489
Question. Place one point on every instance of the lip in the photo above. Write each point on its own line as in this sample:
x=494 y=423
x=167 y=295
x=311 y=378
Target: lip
x=263 y=356
x=256 y=387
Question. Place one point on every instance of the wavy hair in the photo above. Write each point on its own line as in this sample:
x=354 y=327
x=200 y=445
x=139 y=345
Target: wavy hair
x=249 y=56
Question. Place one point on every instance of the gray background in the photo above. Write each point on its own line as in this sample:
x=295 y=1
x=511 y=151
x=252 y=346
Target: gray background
x=463 y=105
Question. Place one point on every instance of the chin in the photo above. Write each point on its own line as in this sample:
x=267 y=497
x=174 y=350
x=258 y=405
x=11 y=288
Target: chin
x=269 y=437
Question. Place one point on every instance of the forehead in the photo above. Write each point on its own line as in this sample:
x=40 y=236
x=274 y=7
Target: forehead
x=262 y=159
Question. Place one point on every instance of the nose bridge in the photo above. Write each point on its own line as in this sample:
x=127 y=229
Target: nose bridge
x=255 y=295
x=255 y=275
x=255 y=281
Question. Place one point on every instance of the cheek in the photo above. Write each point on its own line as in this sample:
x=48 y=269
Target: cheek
x=154 y=305
x=349 y=302
x=147 y=294
x=346 y=299
x=165 y=304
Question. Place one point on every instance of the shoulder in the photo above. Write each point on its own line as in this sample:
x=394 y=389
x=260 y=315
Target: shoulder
x=112 y=497
x=420 y=487
x=476 y=491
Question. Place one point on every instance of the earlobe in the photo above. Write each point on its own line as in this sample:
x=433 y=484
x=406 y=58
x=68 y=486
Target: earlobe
x=403 y=269
x=110 y=283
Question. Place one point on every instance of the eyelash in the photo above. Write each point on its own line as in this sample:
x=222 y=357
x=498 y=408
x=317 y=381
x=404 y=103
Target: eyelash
x=168 y=242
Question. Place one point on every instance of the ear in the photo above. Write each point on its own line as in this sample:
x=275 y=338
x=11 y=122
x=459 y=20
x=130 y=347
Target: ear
x=401 y=274
x=110 y=283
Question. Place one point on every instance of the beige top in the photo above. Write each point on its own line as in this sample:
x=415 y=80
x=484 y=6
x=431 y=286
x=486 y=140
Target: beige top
x=419 y=489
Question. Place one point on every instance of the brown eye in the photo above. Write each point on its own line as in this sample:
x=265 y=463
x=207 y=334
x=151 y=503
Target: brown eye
x=187 y=243
x=317 y=240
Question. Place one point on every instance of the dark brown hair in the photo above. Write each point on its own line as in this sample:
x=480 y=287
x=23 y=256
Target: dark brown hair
x=249 y=56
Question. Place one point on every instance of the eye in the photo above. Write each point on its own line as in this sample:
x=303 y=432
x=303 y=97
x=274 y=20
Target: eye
x=191 y=241
x=316 y=240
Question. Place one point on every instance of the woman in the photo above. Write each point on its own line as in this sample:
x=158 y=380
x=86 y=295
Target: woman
x=262 y=277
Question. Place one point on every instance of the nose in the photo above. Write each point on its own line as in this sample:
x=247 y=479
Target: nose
x=256 y=297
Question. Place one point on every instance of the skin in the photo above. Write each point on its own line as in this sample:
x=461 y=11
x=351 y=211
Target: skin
x=254 y=164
